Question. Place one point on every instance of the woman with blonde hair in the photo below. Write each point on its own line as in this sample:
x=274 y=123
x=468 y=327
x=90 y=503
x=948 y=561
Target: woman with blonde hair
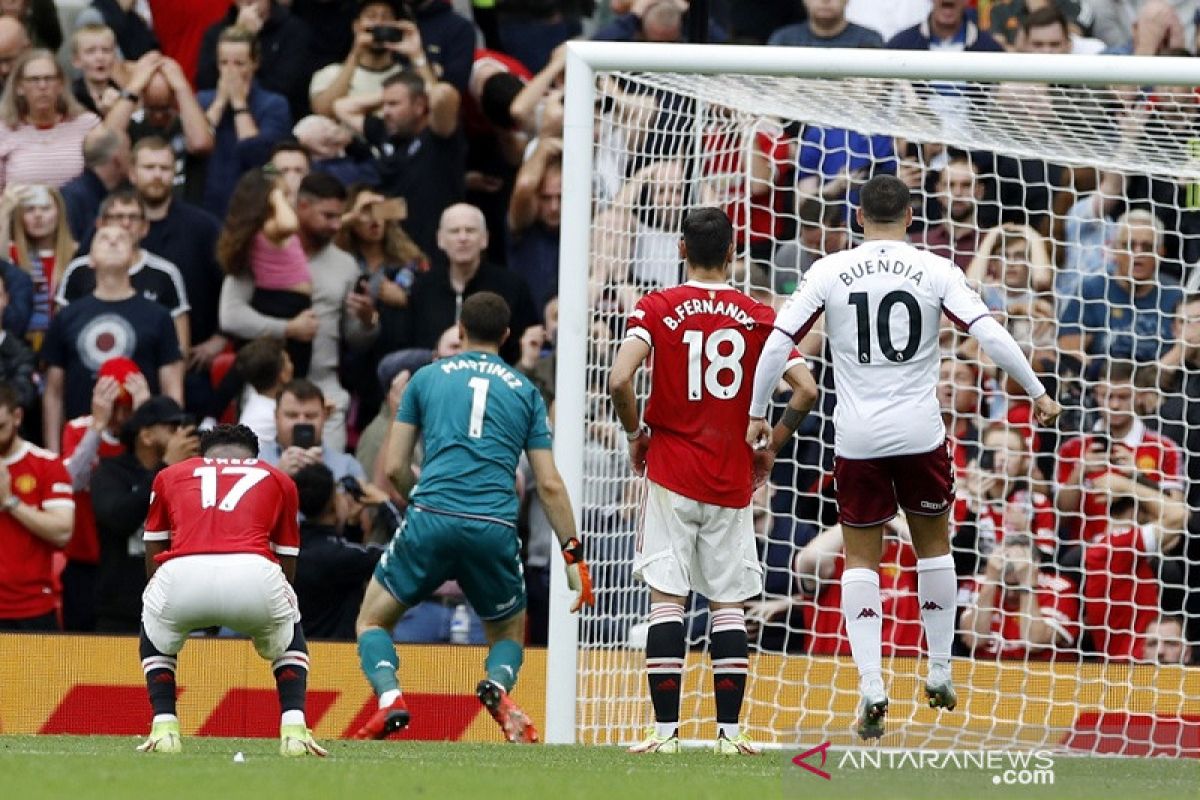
x=35 y=236
x=42 y=125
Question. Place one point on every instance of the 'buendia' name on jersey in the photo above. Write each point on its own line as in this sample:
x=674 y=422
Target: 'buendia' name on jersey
x=504 y=373
x=896 y=267
x=708 y=306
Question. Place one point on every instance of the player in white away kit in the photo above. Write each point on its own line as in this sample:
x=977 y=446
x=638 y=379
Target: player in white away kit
x=883 y=303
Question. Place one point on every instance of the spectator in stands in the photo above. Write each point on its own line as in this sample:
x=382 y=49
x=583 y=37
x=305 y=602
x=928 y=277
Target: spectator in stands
x=35 y=493
x=1126 y=313
x=120 y=388
x=534 y=216
x=818 y=568
x=956 y=236
x=1009 y=22
x=997 y=498
x=155 y=278
x=247 y=119
x=961 y=399
x=1018 y=609
x=18 y=293
x=40 y=18
x=946 y=28
x=340 y=319
x=331 y=572
x=419 y=153
x=371 y=61
x=822 y=230
x=1147 y=28
x=1166 y=642
x=1121 y=586
x=18 y=365
x=651 y=21
x=1119 y=442
x=826 y=26
x=327 y=147
x=42 y=125
x=1179 y=412
x=14 y=42
x=94 y=57
x=41 y=246
x=156 y=436
x=437 y=295
x=159 y=102
x=106 y=166
x=449 y=40
x=133 y=35
x=115 y=320
x=263 y=364
x=291 y=162
x=281 y=44
x=186 y=236
x=260 y=241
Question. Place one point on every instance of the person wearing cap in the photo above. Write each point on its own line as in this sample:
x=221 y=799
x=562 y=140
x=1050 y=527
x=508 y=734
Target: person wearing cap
x=155 y=436
x=114 y=320
x=120 y=387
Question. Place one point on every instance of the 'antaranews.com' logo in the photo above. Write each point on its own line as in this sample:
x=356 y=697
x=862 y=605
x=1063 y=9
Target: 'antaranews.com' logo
x=1008 y=768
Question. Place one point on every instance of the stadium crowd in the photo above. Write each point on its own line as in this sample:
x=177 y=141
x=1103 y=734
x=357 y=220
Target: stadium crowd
x=272 y=210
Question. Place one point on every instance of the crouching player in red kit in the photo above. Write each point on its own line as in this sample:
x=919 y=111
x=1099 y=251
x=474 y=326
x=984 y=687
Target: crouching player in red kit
x=221 y=545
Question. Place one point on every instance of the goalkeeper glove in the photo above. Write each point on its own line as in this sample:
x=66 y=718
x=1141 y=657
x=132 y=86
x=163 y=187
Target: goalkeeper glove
x=578 y=576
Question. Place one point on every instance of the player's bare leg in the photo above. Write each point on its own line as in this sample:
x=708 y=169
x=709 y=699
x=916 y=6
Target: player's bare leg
x=863 y=613
x=665 y=652
x=729 y=651
x=377 y=655
x=937 y=587
x=291 y=681
x=159 y=668
x=504 y=658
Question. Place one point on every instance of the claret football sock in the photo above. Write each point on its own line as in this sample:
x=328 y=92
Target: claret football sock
x=379 y=661
x=160 y=677
x=863 y=612
x=937 y=590
x=730 y=663
x=291 y=677
x=504 y=662
x=665 y=651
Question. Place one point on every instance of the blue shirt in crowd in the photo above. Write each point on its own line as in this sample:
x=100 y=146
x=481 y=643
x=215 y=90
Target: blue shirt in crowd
x=1122 y=325
x=801 y=35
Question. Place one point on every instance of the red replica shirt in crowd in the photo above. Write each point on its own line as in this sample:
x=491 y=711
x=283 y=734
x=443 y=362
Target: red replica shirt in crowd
x=902 y=632
x=40 y=480
x=706 y=340
x=84 y=546
x=1057 y=599
x=989 y=523
x=1155 y=456
x=224 y=505
x=1120 y=590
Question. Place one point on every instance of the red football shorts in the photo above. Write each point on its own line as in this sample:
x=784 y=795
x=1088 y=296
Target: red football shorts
x=869 y=489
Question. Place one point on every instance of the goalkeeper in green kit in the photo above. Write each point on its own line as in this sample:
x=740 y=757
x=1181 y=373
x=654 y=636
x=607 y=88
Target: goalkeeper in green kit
x=476 y=415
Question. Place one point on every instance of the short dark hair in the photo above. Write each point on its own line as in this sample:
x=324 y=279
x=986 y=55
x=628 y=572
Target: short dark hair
x=485 y=317
x=1121 y=504
x=288 y=146
x=125 y=197
x=225 y=434
x=260 y=361
x=322 y=186
x=884 y=199
x=409 y=80
x=1117 y=370
x=707 y=233
x=497 y=96
x=9 y=397
x=1045 y=16
x=153 y=142
x=304 y=389
x=315 y=485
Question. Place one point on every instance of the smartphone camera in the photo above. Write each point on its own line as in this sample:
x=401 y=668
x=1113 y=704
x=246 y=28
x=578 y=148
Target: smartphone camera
x=386 y=34
x=304 y=435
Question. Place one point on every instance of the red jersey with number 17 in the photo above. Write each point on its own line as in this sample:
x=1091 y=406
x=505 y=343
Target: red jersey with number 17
x=706 y=339
x=206 y=506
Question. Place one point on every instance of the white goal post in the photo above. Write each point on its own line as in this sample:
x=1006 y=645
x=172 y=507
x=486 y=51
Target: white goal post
x=755 y=86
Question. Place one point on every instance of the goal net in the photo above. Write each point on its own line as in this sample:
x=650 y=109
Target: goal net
x=1075 y=210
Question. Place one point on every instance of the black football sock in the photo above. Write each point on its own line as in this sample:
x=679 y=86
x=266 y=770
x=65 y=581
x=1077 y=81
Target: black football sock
x=730 y=664
x=665 y=651
x=160 y=676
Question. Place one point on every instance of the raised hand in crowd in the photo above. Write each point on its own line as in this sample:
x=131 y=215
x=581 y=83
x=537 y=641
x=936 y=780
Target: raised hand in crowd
x=183 y=444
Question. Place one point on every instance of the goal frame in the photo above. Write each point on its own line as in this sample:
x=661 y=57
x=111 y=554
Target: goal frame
x=584 y=60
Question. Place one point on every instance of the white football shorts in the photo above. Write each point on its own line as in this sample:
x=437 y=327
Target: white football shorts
x=684 y=545
x=241 y=591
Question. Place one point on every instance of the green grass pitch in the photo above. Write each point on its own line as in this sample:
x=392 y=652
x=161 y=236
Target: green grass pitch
x=97 y=768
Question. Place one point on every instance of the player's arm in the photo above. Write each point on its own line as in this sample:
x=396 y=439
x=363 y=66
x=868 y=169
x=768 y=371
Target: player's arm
x=557 y=504
x=630 y=357
x=804 y=397
x=402 y=440
x=791 y=325
x=288 y=565
x=153 y=550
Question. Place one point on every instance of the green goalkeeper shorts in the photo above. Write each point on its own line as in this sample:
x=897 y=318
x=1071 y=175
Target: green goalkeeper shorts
x=431 y=548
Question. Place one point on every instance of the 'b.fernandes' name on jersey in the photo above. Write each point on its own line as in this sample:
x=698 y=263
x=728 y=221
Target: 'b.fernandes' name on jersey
x=710 y=306
x=487 y=367
x=896 y=267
